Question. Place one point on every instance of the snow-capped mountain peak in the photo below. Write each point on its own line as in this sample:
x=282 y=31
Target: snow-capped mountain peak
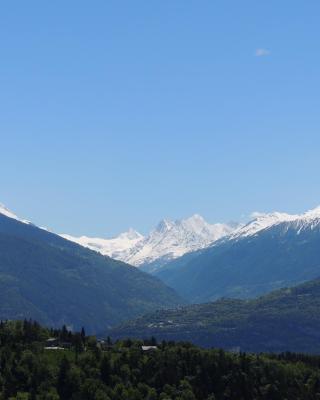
x=196 y=219
x=195 y=223
x=172 y=239
x=169 y=240
x=261 y=222
x=164 y=225
x=265 y=221
x=131 y=234
x=312 y=214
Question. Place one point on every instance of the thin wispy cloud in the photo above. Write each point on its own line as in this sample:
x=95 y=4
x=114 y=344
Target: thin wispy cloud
x=262 y=52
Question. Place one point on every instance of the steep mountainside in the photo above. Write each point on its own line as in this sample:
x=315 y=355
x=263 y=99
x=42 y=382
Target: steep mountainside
x=285 y=320
x=170 y=239
x=55 y=281
x=273 y=251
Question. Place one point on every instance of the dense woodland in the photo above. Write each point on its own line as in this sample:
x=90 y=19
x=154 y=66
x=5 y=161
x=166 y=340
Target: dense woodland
x=90 y=370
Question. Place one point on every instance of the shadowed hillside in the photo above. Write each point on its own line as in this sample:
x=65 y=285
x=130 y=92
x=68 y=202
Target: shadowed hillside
x=54 y=281
x=285 y=320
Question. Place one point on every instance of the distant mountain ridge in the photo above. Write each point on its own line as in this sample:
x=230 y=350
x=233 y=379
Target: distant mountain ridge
x=119 y=248
x=284 y=320
x=168 y=241
x=265 y=221
x=272 y=251
x=56 y=282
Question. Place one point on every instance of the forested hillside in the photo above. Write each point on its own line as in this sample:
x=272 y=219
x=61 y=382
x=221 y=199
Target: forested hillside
x=287 y=319
x=79 y=367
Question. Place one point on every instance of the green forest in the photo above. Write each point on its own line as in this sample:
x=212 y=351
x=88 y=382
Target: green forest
x=37 y=363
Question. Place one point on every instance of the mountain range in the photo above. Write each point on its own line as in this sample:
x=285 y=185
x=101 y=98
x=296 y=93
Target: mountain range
x=203 y=262
x=56 y=281
x=272 y=251
x=284 y=320
x=168 y=241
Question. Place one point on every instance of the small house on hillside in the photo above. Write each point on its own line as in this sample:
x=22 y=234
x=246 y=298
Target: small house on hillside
x=149 y=348
x=52 y=342
x=56 y=344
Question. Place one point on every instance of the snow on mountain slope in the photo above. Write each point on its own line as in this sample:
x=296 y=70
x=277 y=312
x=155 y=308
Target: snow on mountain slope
x=6 y=212
x=309 y=219
x=274 y=250
x=172 y=239
x=118 y=247
x=169 y=240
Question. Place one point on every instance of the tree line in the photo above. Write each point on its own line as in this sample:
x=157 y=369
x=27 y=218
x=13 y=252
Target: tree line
x=88 y=369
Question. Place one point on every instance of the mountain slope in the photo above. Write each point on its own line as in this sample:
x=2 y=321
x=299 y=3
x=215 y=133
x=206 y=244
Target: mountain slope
x=172 y=239
x=285 y=320
x=119 y=248
x=55 y=281
x=273 y=251
x=169 y=240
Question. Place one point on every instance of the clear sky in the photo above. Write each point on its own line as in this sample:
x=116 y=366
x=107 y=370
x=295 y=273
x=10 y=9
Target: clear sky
x=119 y=113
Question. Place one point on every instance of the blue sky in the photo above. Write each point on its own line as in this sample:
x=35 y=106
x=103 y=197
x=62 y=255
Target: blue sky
x=119 y=113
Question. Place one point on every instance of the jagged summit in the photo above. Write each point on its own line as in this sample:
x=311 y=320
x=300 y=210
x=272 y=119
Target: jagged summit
x=170 y=239
x=196 y=223
x=164 y=225
x=272 y=251
x=174 y=238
